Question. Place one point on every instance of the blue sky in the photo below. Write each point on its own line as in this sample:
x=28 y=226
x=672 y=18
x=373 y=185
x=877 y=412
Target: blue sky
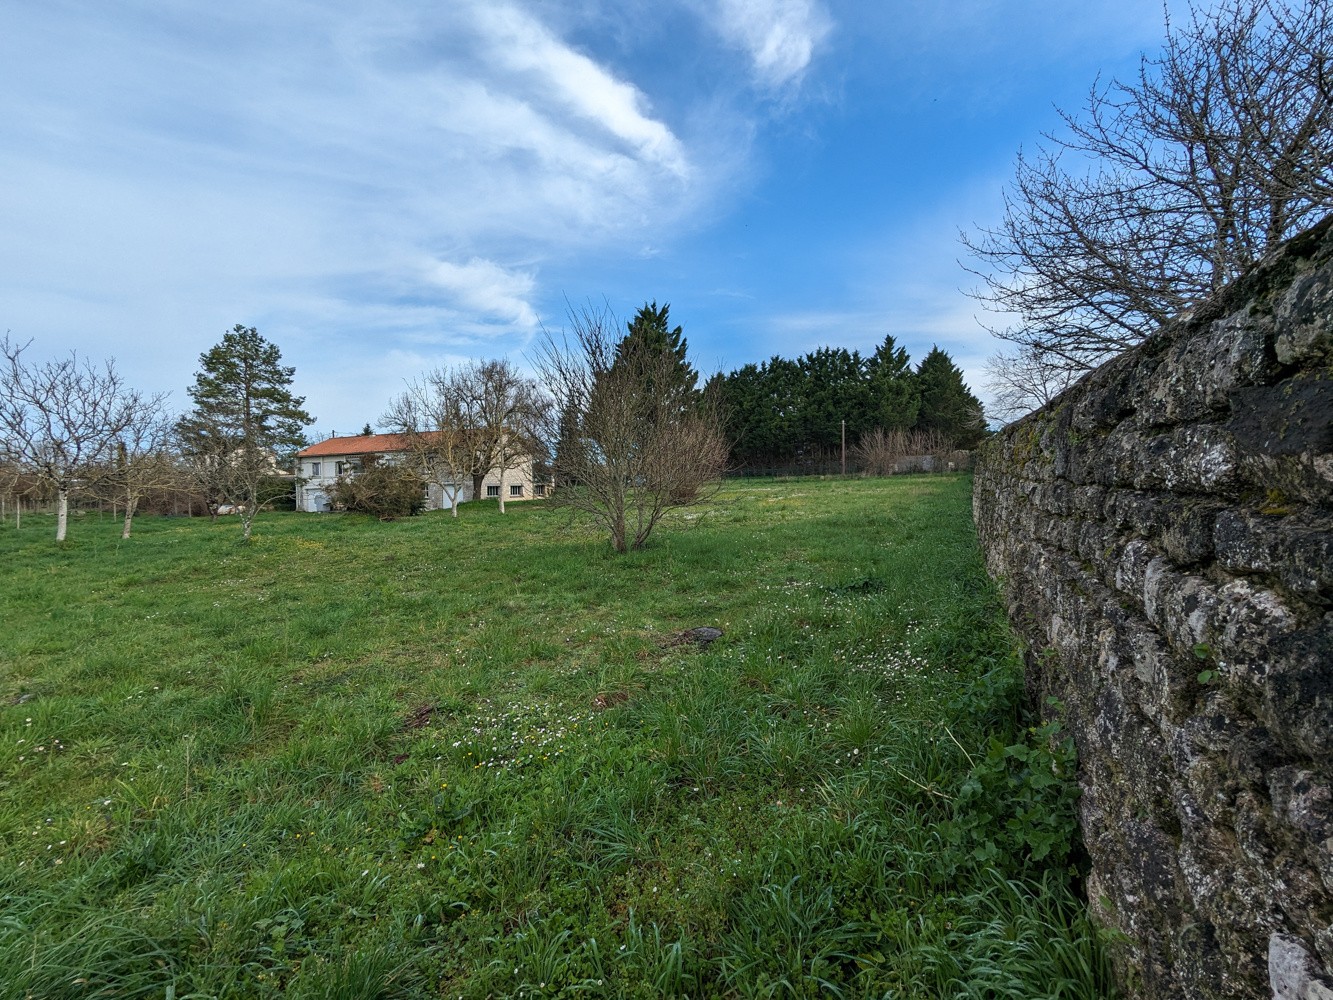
x=385 y=188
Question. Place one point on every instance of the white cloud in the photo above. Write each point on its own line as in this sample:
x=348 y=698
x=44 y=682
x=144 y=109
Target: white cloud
x=581 y=86
x=780 y=36
x=348 y=181
x=484 y=288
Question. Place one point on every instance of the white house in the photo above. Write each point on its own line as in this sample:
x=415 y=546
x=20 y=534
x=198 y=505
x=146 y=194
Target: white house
x=320 y=464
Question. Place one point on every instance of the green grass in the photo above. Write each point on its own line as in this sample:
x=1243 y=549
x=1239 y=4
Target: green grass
x=464 y=759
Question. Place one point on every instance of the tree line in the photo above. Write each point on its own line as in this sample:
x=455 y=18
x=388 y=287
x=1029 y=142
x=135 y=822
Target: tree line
x=635 y=438
x=783 y=412
x=617 y=419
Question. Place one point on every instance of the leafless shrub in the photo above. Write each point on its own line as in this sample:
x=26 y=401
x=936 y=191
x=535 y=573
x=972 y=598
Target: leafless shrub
x=885 y=453
x=386 y=490
x=630 y=449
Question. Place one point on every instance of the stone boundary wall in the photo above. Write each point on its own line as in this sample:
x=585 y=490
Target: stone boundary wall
x=1164 y=534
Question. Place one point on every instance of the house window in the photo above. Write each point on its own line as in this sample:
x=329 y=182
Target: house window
x=516 y=490
x=493 y=491
x=539 y=489
x=314 y=468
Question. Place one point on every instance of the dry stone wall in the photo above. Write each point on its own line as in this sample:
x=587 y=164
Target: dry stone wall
x=1164 y=533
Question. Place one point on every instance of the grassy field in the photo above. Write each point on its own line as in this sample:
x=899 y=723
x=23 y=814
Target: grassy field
x=473 y=758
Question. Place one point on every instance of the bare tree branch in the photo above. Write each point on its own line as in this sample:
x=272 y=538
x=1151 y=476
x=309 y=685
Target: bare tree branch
x=142 y=459
x=1022 y=379
x=1165 y=188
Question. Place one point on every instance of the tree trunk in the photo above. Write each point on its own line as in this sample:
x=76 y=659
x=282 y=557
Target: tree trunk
x=129 y=517
x=502 y=492
x=249 y=508
x=62 y=513
x=477 y=485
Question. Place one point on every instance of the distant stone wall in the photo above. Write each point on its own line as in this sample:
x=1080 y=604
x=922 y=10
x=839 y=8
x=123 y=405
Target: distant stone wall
x=1164 y=533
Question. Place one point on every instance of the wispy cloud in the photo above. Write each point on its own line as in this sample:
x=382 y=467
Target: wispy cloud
x=373 y=142
x=488 y=290
x=344 y=180
x=779 y=36
x=578 y=85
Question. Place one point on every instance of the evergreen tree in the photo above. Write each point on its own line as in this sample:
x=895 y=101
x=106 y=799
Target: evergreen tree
x=896 y=400
x=246 y=423
x=947 y=405
x=834 y=388
x=760 y=407
x=651 y=329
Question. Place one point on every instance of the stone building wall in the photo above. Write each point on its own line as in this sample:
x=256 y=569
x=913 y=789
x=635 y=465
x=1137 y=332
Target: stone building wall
x=1164 y=533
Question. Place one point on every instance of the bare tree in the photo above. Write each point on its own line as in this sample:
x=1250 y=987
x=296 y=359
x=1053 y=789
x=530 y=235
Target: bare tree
x=501 y=410
x=208 y=463
x=59 y=420
x=1022 y=379
x=142 y=459
x=630 y=449
x=469 y=421
x=429 y=418
x=1167 y=187
x=508 y=412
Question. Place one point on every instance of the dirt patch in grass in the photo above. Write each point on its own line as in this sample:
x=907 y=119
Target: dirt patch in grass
x=701 y=637
x=419 y=717
x=609 y=699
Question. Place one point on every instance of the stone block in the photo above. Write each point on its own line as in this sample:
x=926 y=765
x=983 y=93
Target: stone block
x=1188 y=534
x=1304 y=316
x=1107 y=396
x=1196 y=373
x=1280 y=547
x=1295 y=974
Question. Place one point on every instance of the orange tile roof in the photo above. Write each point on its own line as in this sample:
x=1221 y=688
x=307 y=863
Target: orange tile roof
x=360 y=444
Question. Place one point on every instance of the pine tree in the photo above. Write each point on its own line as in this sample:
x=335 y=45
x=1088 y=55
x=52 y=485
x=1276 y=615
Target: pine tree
x=947 y=405
x=651 y=329
x=896 y=399
x=246 y=422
